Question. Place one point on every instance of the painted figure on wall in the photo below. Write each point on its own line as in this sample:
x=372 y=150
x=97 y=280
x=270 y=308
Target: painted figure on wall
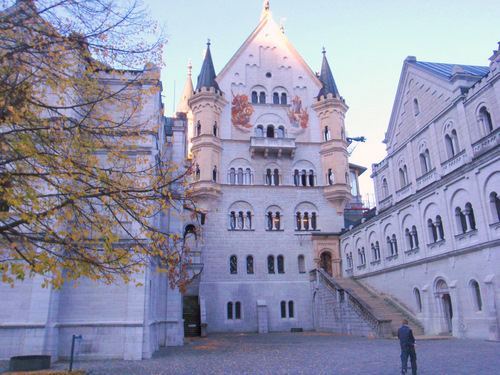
x=241 y=111
x=298 y=116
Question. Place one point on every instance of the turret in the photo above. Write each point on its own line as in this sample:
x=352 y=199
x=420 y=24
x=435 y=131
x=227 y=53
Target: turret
x=185 y=114
x=206 y=105
x=331 y=109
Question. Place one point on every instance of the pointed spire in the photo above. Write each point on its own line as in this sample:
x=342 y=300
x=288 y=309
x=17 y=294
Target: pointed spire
x=265 y=10
x=326 y=78
x=187 y=93
x=207 y=74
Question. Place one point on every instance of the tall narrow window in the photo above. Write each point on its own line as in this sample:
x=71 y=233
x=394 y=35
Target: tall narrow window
x=250 y=264
x=248 y=176
x=385 y=188
x=230 y=310
x=486 y=119
x=395 y=243
x=301 y=264
x=241 y=220
x=232 y=220
x=270 y=264
x=198 y=128
x=215 y=130
x=259 y=131
x=214 y=174
x=418 y=300
x=469 y=212
x=290 y=309
x=268 y=177
x=326 y=133
x=232 y=176
x=495 y=206
x=237 y=310
x=270 y=131
x=276 y=98
x=303 y=177
x=433 y=234
x=299 y=221
x=280 y=133
x=330 y=177
x=233 y=265
x=311 y=177
x=305 y=221
x=314 y=220
x=354 y=184
x=403 y=176
x=450 y=149
x=283 y=98
x=377 y=251
x=262 y=97
x=283 y=309
x=254 y=97
x=281 y=264
x=248 y=221
x=269 y=221
x=276 y=177
x=476 y=292
x=240 y=176
x=425 y=161
x=416 y=109
x=439 y=226
x=461 y=220
x=296 y=178
x=277 y=221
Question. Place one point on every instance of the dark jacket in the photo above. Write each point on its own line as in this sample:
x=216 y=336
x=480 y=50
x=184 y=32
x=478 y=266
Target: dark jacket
x=405 y=336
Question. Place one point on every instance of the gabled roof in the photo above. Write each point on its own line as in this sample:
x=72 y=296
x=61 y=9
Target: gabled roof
x=207 y=75
x=446 y=70
x=326 y=78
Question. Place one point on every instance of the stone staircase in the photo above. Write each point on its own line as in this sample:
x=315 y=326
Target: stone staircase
x=381 y=306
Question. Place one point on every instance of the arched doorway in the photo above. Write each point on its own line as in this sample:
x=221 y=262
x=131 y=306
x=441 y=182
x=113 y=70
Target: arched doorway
x=443 y=294
x=326 y=262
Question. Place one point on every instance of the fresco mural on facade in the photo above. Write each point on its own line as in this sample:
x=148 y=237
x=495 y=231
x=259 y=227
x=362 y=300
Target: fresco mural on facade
x=298 y=116
x=241 y=111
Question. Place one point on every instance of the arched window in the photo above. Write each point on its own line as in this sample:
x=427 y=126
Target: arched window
x=439 y=226
x=259 y=131
x=451 y=142
x=269 y=221
x=215 y=129
x=377 y=251
x=290 y=309
x=197 y=173
x=237 y=310
x=418 y=300
x=233 y=265
x=461 y=220
x=262 y=97
x=485 y=117
x=390 y=248
x=314 y=220
x=241 y=220
x=303 y=177
x=268 y=177
x=248 y=221
x=283 y=309
x=250 y=264
x=270 y=264
x=254 y=97
x=403 y=176
x=296 y=178
x=214 y=174
x=433 y=234
x=495 y=206
x=326 y=133
x=425 y=161
x=280 y=133
x=232 y=176
x=469 y=212
x=409 y=239
x=301 y=263
x=283 y=98
x=232 y=220
x=414 y=235
x=385 y=188
x=276 y=177
x=240 y=176
x=198 y=128
x=248 y=176
x=281 y=264
x=277 y=221
x=395 y=244
x=276 y=98
x=311 y=177
x=230 y=310
x=299 y=221
x=330 y=177
x=416 y=109
x=305 y=221
x=270 y=131
x=476 y=295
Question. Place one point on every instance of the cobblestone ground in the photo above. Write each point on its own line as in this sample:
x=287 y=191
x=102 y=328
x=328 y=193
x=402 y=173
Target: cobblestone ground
x=304 y=353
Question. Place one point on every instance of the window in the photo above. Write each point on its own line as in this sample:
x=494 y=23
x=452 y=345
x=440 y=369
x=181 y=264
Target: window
x=362 y=256
x=298 y=218
x=385 y=188
x=230 y=310
x=270 y=131
x=269 y=221
x=240 y=176
x=240 y=221
x=303 y=177
x=248 y=221
x=277 y=221
x=311 y=177
x=451 y=143
x=306 y=221
x=301 y=264
x=248 y=176
x=198 y=128
x=215 y=129
x=254 y=97
x=433 y=236
x=268 y=177
x=375 y=251
x=262 y=97
x=354 y=184
x=485 y=118
x=326 y=133
x=233 y=265
x=403 y=176
x=330 y=177
x=233 y=310
x=259 y=131
x=270 y=264
x=465 y=219
x=416 y=109
x=476 y=295
x=296 y=178
x=276 y=177
x=425 y=161
x=495 y=206
x=411 y=238
x=214 y=174
x=283 y=309
x=283 y=98
x=313 y=221
x=237 y=310
x=197 y=173
x=280 y=133
x=281 y=264
x=276 y=98
x=250 y=269
x=232 y=220
x=418 y=300
x=349 y=261
x=232 y=176
x=395 y=243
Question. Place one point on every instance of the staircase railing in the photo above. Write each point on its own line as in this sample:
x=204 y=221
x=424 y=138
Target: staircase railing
x=379 y=325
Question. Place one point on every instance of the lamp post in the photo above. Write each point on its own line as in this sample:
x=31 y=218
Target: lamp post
x=79 y=338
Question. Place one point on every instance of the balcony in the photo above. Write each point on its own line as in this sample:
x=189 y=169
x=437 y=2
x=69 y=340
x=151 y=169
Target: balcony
x=454 y=163
x=427 y=179
x=487 y=143
x=274 y=146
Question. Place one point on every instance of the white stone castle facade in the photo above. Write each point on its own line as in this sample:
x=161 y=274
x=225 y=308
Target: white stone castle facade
x=268 y=144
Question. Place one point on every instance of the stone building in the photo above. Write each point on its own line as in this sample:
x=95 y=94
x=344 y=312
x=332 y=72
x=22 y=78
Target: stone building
x=434 y=243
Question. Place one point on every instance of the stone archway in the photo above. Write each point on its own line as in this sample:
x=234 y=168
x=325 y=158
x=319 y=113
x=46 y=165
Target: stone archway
x=325 y=262
x=446 y=307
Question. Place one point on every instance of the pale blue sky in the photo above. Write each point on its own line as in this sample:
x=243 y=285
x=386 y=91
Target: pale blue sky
x=366 y=43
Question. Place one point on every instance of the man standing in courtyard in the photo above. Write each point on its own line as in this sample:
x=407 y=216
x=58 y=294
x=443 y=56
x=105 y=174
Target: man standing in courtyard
x=408 y=345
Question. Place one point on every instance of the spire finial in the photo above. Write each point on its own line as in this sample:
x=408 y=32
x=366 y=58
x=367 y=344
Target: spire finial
x=189 y=67
x=208 y=41
x=265 y=10
x=324 y=50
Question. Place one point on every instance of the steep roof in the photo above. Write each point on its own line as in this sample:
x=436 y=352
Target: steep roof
x=446 y=70
x=326 y=78
x=187 y=93
x=207 y=75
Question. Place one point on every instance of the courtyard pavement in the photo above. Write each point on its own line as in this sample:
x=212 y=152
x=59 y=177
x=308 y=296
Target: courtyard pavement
x=303 y=353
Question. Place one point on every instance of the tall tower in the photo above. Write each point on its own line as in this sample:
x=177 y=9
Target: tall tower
x=206 y=104
x=331 y=109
